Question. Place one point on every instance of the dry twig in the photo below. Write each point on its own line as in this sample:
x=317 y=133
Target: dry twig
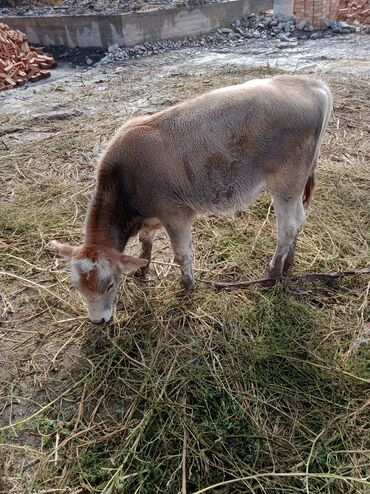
x=308 y=277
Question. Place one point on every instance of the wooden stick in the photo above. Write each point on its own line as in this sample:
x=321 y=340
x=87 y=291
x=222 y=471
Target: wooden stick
x=307 y=276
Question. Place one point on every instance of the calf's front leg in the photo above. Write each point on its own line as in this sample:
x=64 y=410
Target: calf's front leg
x=179 y=231
x=146 y=237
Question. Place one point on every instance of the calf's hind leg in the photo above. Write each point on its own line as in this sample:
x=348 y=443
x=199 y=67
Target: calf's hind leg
x=290 y=215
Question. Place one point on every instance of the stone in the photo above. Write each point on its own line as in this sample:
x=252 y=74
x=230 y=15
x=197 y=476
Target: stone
x=89 y=61
x=225 y=30
x=316 y=35
x=287 y=44
x=308 y=28
x=256 y=34
x=301 y=25
x=283 y=37
x=112 y=48
x=332 y=24
x=285 y=17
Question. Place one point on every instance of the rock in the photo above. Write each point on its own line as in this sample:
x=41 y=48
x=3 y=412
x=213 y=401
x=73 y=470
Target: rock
x=225 y=30
x=308 y=28
x=285 y=17
x=332 y=24
x=112 y=48
x=89 y=61
x=342 y=24
x=316 y=35
x=256 y=34
x=301 y=25
x=287 y=44
x=283 y=37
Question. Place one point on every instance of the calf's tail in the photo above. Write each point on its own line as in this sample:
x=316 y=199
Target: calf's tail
x=308 y=190
x=310 y=184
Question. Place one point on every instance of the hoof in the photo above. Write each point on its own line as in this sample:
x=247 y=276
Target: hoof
x=271 y=278
x=141 y=273
x=270 y=282
x=188 y=285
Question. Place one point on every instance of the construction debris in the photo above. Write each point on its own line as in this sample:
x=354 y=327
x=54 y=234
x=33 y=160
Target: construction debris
x=355 y=10
x=20 y=62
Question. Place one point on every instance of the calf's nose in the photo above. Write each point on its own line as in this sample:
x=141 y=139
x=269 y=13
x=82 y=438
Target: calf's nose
x=98 y=321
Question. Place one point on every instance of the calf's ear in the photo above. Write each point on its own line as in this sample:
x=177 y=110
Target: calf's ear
x=130 y=264
x=65 y=251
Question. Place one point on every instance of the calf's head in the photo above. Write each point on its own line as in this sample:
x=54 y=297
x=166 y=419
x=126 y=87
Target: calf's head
x=96 y=274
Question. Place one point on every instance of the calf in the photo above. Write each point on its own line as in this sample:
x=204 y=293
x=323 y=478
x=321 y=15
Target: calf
x=212 y=154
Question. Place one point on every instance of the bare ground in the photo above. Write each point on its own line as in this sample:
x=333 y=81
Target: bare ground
x=181 y=393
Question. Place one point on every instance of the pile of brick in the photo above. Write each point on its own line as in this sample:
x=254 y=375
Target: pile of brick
x=19 y=62
x=354 y=10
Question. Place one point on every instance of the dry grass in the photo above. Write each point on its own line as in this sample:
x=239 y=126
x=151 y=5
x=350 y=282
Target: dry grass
x=255 y=391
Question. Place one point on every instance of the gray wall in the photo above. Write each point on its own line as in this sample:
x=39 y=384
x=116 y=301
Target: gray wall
x=134 y=28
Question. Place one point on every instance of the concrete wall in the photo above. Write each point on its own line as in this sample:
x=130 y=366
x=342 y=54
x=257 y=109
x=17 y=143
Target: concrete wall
x=133 y=28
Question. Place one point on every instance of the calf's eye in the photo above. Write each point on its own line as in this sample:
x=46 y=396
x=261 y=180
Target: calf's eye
x=110 y=287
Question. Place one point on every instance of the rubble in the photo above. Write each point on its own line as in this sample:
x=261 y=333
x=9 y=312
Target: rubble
x=19 y=62
x=287 y=31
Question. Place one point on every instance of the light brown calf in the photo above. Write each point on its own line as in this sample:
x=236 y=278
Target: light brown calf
x=211 y=154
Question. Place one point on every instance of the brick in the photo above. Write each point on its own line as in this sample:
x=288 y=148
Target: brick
x=18 y=61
